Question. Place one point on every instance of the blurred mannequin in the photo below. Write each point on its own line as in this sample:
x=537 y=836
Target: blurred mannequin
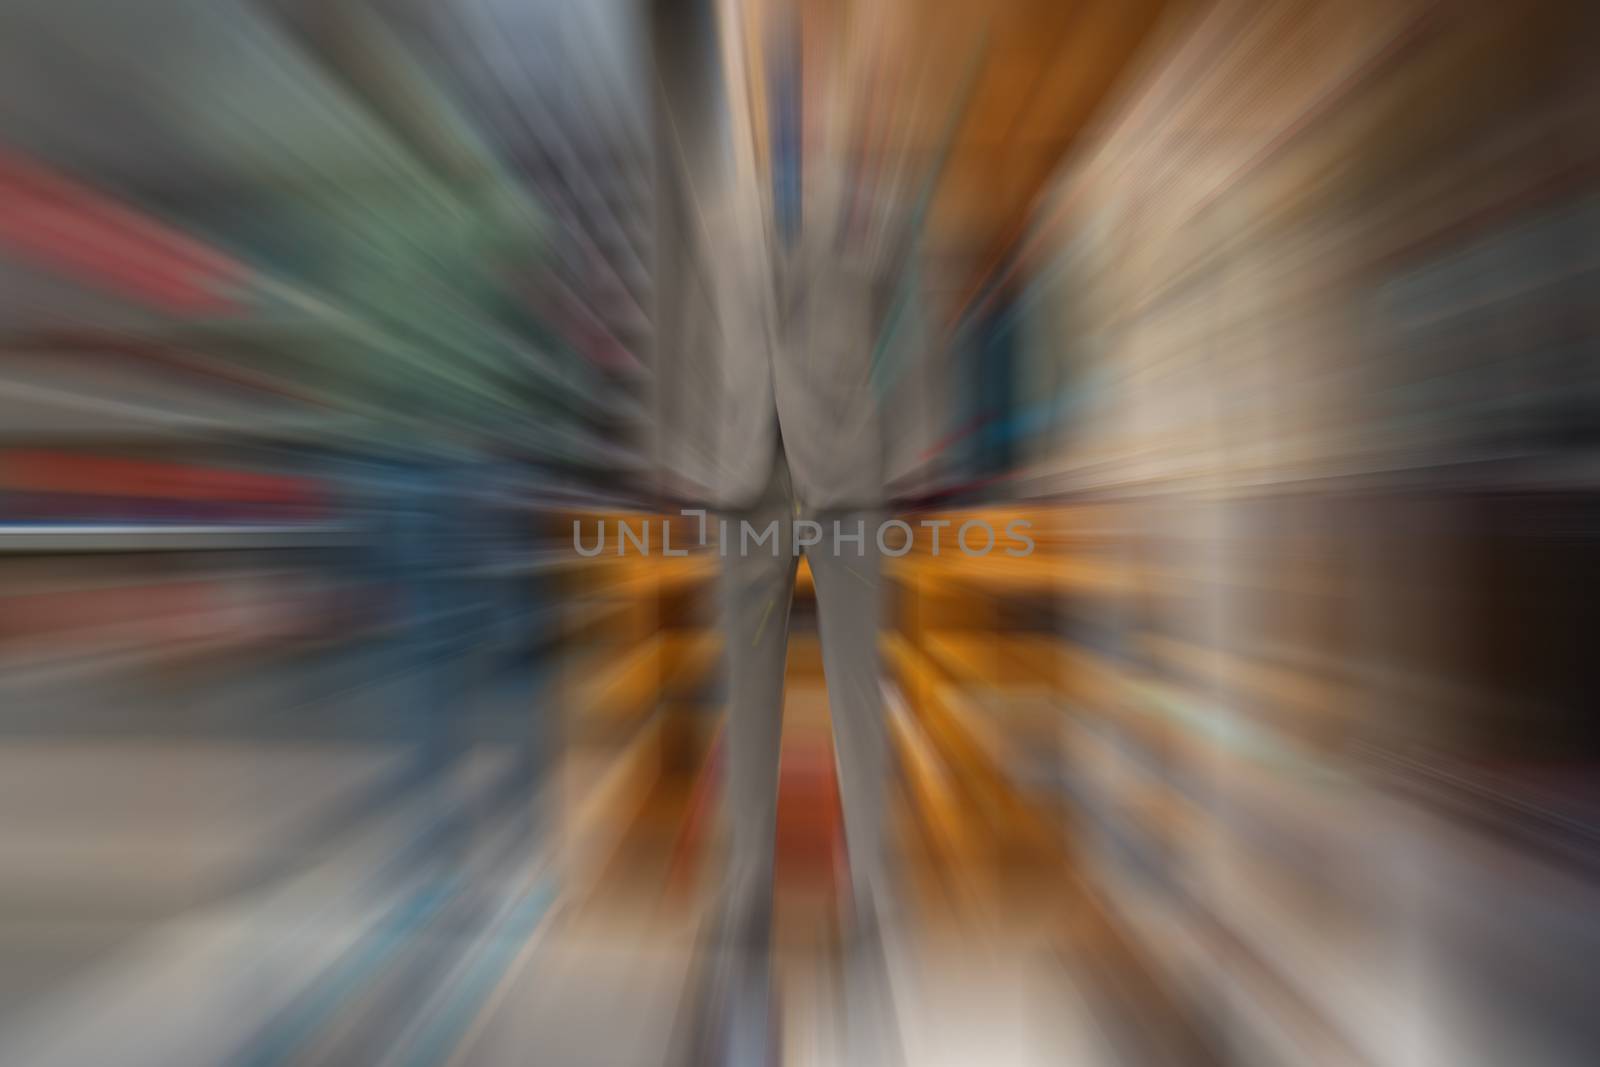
x=776 y=310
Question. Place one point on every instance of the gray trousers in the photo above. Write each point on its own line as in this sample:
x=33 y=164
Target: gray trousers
x=758 y=587
x=734 y=1025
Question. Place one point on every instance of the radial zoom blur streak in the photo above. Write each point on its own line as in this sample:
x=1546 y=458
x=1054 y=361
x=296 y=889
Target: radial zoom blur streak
x=370 y=399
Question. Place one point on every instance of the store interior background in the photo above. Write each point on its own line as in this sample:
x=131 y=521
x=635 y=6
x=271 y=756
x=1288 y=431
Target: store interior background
x=321 y=323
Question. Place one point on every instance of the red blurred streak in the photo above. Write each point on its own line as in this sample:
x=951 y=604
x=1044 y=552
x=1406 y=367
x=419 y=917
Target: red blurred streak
x=59 y=612
x=810 y=824
x=43 y=470
x=84 y=234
